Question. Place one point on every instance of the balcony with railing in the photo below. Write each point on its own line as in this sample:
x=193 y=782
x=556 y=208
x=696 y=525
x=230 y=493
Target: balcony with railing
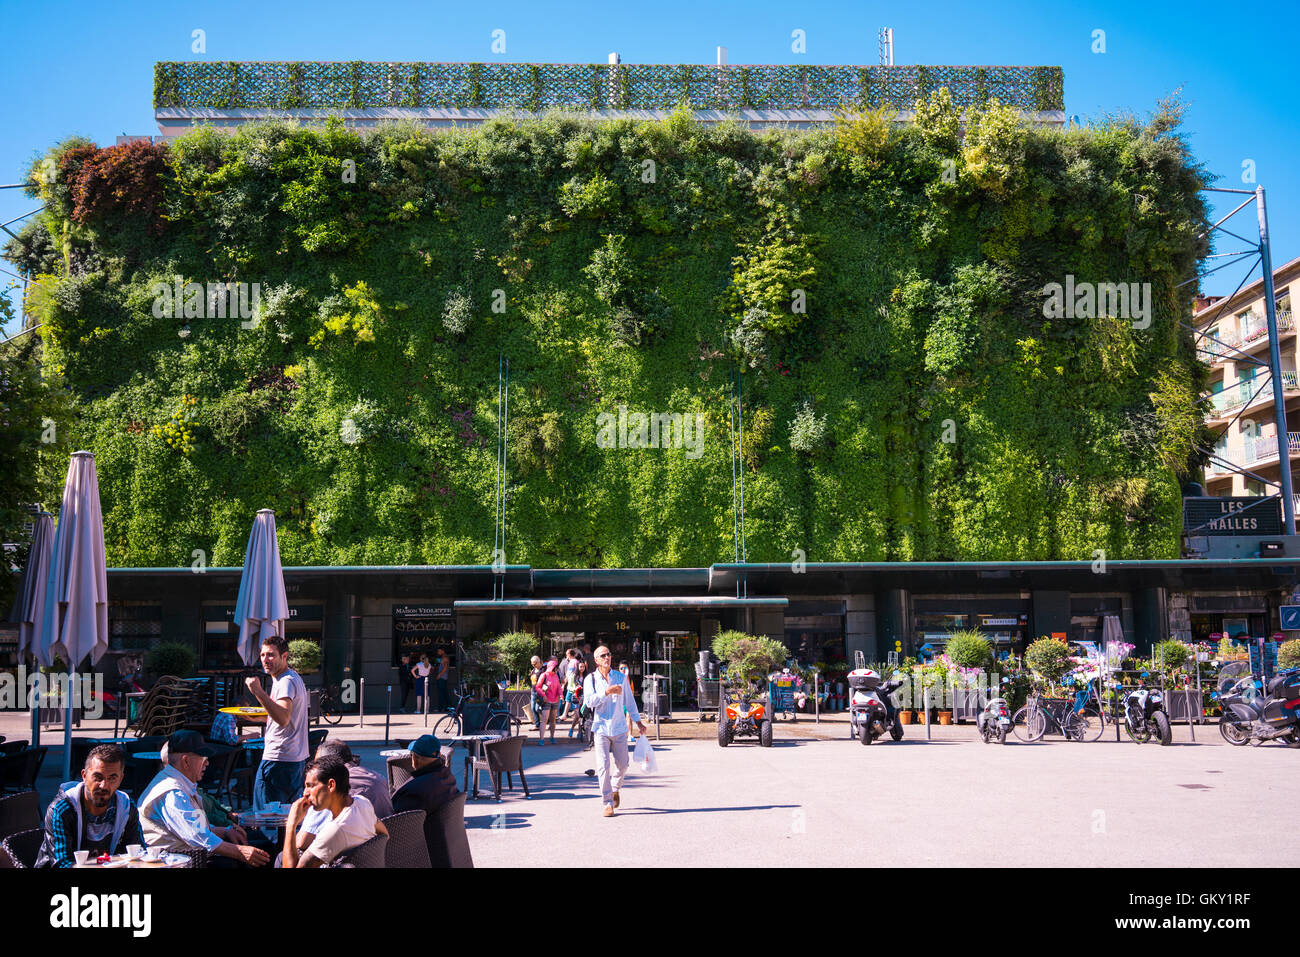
x=1241 y=394
x=1264 y=448
x=1252 y=334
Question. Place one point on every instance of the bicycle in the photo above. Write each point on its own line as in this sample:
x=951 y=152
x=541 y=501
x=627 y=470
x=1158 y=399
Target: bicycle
x=327 y=706
x=1080 y=721
x=496 y=717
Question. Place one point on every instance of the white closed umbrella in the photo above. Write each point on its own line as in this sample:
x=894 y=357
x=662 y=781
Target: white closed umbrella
x=74 y=624
x=1112 y=632
x=262 y=607
x=30 y=603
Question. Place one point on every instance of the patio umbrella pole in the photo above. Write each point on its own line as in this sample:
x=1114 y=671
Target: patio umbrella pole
x=36 y=708
x=67 y=725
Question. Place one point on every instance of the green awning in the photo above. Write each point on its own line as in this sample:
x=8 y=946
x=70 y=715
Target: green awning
x=640 y=601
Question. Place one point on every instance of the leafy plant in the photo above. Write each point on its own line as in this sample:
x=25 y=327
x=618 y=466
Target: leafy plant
x=170 y=658
x=457 y=311
x=807 y=430
x=304 y=656
x=515 y=651
x=1288 y=654
x=1173 y=654
x=749 y=658
x=1229 y=650
x=1049 y=658
x=968 y=648
x=481 y=664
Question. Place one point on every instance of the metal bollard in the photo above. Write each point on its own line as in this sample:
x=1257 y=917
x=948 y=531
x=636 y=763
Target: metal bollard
x=361 y=704
x=925 y=703
x=388 y=713
x=817 y=701
x=426 y=701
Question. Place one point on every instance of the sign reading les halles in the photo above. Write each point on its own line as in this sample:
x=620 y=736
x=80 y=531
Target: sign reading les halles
x=420 y=629
x=1212 y=515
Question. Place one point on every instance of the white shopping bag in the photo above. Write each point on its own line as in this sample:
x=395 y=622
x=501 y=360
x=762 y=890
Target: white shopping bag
x=644 y=755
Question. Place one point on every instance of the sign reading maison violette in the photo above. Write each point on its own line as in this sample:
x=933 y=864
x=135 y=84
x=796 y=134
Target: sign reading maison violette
x=1214 y=515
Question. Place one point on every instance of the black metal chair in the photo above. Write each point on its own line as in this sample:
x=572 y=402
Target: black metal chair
x=453 y=848
x=11 y=771
x=19 y=812
x=21 y=849
x=406 y=844
x=12 y=747
x=314 y=738
x=501 y=757
x=216 y=778
x=240 y=782
x=400 y=770
x=369 y=855
x=18 y=772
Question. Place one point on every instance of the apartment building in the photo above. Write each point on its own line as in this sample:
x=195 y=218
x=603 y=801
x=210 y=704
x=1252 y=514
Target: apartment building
x=1233 y=341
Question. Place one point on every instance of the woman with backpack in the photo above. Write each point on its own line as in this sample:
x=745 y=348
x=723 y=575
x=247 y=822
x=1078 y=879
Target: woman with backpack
x=547 y=690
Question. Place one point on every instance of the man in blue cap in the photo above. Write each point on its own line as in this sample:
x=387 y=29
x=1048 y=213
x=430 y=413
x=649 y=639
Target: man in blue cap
x=432 y=787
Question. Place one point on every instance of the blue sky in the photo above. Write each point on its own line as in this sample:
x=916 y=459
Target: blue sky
x=87 y=68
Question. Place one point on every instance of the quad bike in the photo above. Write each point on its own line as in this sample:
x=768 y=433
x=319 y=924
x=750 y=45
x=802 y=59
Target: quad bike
x=744 y=715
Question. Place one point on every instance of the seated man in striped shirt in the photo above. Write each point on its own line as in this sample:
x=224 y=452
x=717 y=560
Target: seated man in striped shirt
x=93 y=815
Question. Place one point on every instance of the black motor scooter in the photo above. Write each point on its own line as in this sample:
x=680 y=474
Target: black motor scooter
x=1250 y=716
x=1145 y=716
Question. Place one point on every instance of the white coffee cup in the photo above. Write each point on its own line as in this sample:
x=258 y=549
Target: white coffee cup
x=153 y=853
x=135 y=851
x=81 y=857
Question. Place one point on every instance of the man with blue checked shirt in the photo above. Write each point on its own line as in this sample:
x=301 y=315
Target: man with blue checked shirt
x=607 y=693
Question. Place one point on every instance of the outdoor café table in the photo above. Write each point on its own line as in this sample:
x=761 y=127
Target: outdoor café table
x=125 y=860
x=264 y=821
x=472 y=743
x=246 y=715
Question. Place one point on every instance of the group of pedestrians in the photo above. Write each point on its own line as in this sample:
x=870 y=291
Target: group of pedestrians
x=557 y=693
x=417 y=676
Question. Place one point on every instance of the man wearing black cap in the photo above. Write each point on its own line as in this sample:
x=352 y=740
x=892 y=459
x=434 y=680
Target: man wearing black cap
x=171 y=810
x=432 y=787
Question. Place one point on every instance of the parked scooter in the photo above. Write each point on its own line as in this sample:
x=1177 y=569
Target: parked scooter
x=871 y=713
x=1249 y=715
x=1145 y=716
x=994 y=721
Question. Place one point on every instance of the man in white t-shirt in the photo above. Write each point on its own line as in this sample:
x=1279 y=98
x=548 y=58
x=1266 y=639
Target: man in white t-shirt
x=280 y=775
x=352 y=819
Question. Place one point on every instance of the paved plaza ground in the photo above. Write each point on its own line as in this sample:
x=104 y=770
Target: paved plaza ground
x=818 y=798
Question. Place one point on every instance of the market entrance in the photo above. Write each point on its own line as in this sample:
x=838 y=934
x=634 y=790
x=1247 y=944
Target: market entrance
x=634 y=637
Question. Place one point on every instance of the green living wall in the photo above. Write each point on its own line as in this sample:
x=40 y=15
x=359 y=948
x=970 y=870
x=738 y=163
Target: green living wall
x=878 y=290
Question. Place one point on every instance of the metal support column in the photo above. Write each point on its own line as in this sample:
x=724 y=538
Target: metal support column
x=1275 y=365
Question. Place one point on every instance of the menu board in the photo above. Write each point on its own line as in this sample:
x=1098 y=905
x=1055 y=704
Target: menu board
x=422 y=629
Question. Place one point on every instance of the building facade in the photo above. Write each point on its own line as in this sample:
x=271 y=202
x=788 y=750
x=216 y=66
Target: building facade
x=365 y=618
x=1233 y=340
